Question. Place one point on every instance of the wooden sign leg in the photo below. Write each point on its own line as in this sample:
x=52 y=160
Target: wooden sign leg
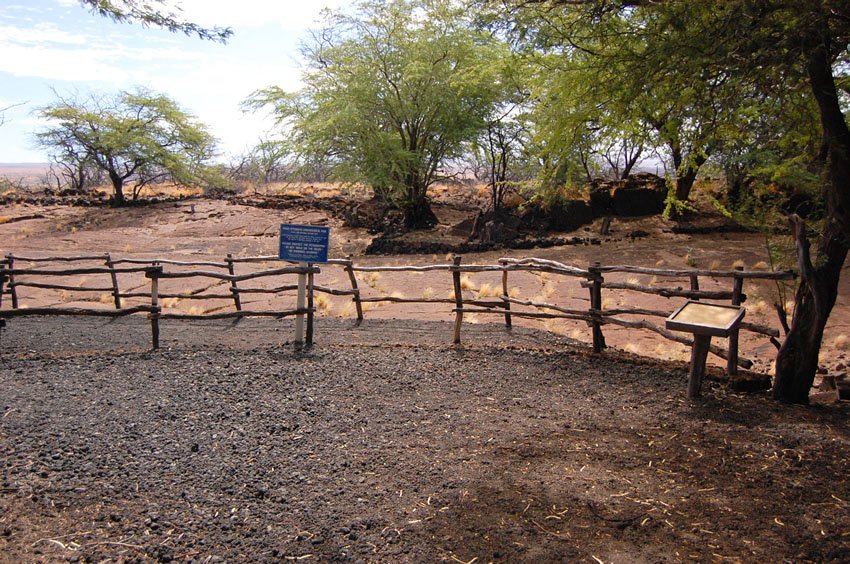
x=699 y=354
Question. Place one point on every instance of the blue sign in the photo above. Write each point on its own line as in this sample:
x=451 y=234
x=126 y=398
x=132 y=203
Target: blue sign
x=304 y=243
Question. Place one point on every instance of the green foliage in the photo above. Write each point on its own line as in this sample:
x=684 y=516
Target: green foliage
x=147 y=13
x=392 y=92
x=138 y=137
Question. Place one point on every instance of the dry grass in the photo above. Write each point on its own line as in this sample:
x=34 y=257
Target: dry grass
x=372 y=281
x=632 y=348
x=466 y=282
x=715 y=265
x=168 y=303
x=196 y=310
x=323 y=304
x=348 y=310
x=65 y=295
x=633 y=280
x=760 y=307
x=661 y=262
x=427 y=293
x=608 y=302
x=739 y=262
x=672 y=351
x=514 y=292
x=841 y=342
x=761 y=265
x=106 y=298
x=488 y=291
x=576 y=335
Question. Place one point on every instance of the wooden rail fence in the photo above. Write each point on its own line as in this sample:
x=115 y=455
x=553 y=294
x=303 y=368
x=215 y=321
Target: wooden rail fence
x=224 y=273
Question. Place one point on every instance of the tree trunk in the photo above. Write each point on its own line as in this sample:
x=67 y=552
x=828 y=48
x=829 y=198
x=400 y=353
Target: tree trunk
x=797 y=361
x=417 y=209
x=418 y=214
x=685 y=179
x=118 y=189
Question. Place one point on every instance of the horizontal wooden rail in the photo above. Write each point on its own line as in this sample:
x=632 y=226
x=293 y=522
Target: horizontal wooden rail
x=528 y=314
x=8 y=313
x=70 y=272
x=547 y=266
x=235 y=314
x=152 y=262
x=102 y=257
x=668 y=292
x=58 y=287
x=684 y=273
x=238 y=277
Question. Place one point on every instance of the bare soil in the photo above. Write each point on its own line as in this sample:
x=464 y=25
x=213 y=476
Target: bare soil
x=386 y=443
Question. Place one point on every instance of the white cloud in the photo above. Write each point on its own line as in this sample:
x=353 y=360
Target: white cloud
x=40 y=33
x=287 y=15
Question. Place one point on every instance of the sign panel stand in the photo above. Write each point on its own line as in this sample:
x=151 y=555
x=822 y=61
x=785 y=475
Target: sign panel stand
x=704 y=321
x=304 y=244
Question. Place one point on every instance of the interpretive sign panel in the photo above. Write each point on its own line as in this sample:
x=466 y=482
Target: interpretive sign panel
x=706 y=319
x=304 y=243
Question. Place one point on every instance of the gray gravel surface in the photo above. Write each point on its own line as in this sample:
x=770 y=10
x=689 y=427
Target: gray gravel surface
x=227 y=445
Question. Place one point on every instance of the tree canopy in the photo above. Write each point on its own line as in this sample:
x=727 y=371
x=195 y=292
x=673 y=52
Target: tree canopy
x=139 y=137
x=393 y=90
x=702 y=74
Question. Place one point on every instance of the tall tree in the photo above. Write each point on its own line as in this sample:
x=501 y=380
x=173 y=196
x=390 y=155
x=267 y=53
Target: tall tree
x=138 y=137
x=392 y=92
x=754 y=48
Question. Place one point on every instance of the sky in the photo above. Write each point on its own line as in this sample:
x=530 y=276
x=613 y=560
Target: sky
x=50 y=47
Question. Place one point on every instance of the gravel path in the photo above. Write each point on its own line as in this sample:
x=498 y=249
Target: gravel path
x=386 y=444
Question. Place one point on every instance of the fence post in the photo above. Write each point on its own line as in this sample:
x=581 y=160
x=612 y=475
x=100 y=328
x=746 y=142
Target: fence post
x=737 y=295
x=695 y=285
x=596 y=305
x=458 y=297
x=12 y=288
x=349 y=268
x=153 y=273
x=505 y=297
x=116 y=294
x=2 y=283
x=234 y=289
x=310 y=309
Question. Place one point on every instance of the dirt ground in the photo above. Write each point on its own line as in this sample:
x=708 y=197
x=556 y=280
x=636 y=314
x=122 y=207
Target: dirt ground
x=208 y=229
x=385 y=442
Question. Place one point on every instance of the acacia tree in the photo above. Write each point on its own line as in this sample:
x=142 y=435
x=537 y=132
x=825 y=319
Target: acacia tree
x=137 y=137
x=605 y=79
x=753 y=48
x=393 y=91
